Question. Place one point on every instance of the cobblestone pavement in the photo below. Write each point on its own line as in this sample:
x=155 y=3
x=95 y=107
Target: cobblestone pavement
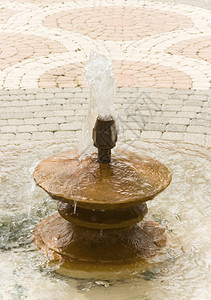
x=162 y=61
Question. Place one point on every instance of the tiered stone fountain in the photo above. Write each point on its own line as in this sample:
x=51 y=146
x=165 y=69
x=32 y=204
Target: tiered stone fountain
x=101 y=202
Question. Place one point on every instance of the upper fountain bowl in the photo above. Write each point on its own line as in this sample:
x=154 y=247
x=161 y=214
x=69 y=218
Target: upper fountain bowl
x=127 y=180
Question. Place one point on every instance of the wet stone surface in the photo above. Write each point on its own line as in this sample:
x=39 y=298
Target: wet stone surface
x=104 y=219
x=70 y=242
x=128 y=180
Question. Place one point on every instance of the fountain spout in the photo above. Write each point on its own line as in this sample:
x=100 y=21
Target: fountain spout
x=104 y=136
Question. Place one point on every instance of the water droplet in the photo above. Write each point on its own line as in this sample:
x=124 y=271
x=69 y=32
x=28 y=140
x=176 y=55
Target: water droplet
x=75 y=207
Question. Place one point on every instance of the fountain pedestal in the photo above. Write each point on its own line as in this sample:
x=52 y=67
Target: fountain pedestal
x=99 y=207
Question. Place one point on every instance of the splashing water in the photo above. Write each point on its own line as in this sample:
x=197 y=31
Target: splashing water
x=100 y=77
x=75 y=208
x=182 y=271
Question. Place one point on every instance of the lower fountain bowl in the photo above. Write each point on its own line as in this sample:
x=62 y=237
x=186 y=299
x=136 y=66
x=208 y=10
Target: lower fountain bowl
x=68 y=242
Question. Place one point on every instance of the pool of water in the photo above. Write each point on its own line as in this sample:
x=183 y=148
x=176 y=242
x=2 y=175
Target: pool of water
x=181 y=271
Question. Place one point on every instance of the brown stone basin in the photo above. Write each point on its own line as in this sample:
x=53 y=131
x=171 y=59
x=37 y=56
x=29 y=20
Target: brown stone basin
x=128 y=180
x=103 y=219
x=99 y=207
x=68 y=242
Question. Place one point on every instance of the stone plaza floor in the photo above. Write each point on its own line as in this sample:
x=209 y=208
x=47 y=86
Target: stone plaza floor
x=161 y=51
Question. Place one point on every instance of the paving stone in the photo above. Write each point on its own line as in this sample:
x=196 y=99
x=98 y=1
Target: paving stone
x=199 y=129
x=134 y=125
x=5 y=122
x=172 y=107
x=27 y=128
x=175 y=136
x=176 y=128
x=34 y=121
x=196 y=97
x=206 y=110
x=174 y=102
x=71 y=126
x=155 y=127
x=200 y=122
x=15 y=122
x=207 y=93
x=57 y=101
x=7 y=129
x=208 y=130
x=75 y=106
x=76 y=118
x=82 y=94
x=160 y=119
x=42 y=135
x=151 y=134
x=64 y=134
x=178 y=96
x=208 y=141
x=64 y=95
x=5 y=97
x=192 y=108
x=203 y=115
x=186 y=114
x=45 y=96
x=184 y=121
x=48 y=127
x=4 y=142
x=36 y=102
x=54 y=120
x=195 y=138
x=45 y=114
x=132 y=134
x=63 y=113
x=168 y=113
x=193 y=103
x=23 y=136
x=7 y=136
x=206 y=104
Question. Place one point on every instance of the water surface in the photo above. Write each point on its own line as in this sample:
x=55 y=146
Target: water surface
x=182 y=271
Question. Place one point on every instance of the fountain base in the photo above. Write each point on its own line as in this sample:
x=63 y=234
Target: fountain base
x=69 y=242
x=99 y=207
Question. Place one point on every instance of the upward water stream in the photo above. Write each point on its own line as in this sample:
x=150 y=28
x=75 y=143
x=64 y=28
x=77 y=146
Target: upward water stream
x=100 y=78
x=181 y=271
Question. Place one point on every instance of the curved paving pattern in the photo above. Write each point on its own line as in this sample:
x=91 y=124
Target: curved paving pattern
x=161 y=53
x=15 y=48
x=131 y=31
x=70 y=75
x=126 y=23
x=199 y=48
x=141 y=74
x=127 y=73
x=5 y=14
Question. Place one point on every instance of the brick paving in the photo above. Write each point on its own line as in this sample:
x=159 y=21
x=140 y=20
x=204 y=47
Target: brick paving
x=161 y=53
x=55 y=114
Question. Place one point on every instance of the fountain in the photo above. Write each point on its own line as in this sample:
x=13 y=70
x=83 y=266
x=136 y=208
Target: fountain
x=101 y=197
